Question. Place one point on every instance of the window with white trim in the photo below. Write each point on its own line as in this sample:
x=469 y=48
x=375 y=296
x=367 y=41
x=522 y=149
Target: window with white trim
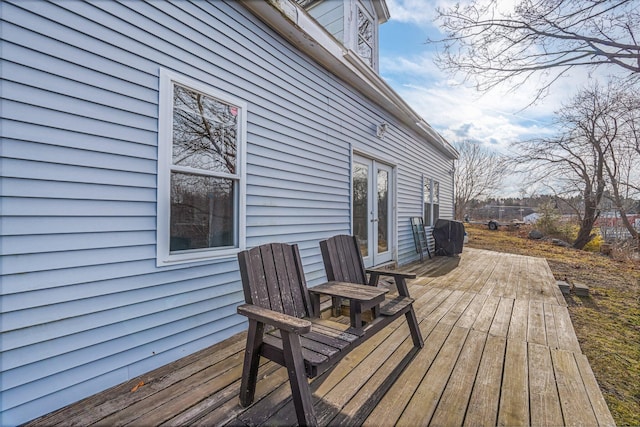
x=431 y=201
x=201 y=146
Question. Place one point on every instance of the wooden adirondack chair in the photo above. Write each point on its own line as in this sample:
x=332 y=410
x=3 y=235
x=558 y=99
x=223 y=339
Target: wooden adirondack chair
x=276 y=295
x=343 y=263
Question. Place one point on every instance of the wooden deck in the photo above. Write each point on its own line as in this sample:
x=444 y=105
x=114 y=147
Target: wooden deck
x=500 y=349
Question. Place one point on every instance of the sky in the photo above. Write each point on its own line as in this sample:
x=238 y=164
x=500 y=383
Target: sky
x=457 y=112
x=494 y=119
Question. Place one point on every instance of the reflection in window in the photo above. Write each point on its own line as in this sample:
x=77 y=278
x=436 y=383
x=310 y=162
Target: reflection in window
x=205 y=132
x=365 y=37
x=431 y=197
x=202 y=212
x=361 y=206
x=435 y=206
x=203 y=199
x=383 y=211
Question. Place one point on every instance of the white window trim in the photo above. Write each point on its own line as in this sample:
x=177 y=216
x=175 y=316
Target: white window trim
x=165 y=141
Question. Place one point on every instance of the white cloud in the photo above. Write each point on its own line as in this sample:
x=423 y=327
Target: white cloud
x=494 y=120
x=497 y=118
x=443 y=102
x=416 y=11
x=458 y=112
x=424 y=11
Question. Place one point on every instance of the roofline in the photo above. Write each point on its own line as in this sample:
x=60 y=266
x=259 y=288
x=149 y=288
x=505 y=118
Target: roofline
x=381 y=10
x=292 y=22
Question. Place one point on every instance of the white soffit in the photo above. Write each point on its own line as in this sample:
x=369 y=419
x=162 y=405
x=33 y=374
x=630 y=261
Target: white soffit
x=382 y=10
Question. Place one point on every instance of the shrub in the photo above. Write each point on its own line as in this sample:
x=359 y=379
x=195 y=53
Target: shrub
x=551 y=225
x=594 y=244
x=549 y=220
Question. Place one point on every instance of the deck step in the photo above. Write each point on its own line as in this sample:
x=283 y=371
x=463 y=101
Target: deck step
x=580 y=289
x=564 y=287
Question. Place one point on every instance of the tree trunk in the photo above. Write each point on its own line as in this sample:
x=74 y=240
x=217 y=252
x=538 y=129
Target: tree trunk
x=591 y=213
x=585 y=234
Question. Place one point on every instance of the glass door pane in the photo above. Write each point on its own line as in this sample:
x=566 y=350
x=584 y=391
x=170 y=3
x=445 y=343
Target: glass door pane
x=383 y=211
x=372 y=210
x=361 y=206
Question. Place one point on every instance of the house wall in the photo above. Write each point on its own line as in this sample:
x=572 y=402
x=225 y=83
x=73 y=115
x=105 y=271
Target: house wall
x=330 y=14
x=84 y=306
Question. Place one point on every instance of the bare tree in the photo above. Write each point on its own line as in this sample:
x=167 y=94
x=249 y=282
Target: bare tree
x=490 y=45
x=479 y=172
x=205 y=133
x=591 y=156
x=630 y=106
x=570 y=164
x=618 y=121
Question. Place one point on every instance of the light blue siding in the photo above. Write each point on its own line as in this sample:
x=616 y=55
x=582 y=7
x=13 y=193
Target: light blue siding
x=331 y=15
x=84 y=306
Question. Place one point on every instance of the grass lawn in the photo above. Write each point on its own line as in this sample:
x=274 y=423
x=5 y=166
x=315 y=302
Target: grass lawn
x=607 y=322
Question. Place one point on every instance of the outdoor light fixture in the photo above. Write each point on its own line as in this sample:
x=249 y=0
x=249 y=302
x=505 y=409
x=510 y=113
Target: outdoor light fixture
x=381 y=129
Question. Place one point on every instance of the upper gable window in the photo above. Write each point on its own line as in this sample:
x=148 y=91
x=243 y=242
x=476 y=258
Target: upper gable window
x=200 y=172
x=354 y=23
x=366 y=37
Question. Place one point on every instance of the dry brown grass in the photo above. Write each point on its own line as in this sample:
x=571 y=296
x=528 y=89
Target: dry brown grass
x=607 y=322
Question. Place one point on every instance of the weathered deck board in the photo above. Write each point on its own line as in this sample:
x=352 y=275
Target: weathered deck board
x=457 y=309
x=357 y=379
x=500 y=323
x=514 y=397
x=483 y=404
x=390 y=408
x=593 y=391
x=536 y=331
x=550 y=326
x=468 y=318
x=499 y=350
x=485 y=317
x=543 y=393
x=519 y=320
x=576 y=407
x=567 y=339
x=454 y=400
x=96 y=407
x=510 y=289
x=365 y=400
x=424 y=401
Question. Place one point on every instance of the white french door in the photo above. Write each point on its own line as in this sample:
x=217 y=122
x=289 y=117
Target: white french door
x=372 y=209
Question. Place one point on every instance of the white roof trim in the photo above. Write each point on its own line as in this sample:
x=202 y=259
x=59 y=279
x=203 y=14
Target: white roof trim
x=381 y=10
x=293 y=23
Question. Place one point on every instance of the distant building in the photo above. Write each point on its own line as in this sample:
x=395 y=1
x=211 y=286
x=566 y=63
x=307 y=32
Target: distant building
x=531 y=218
